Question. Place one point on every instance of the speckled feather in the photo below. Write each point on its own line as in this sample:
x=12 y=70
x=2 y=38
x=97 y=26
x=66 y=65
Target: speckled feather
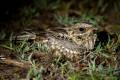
x=76 y=41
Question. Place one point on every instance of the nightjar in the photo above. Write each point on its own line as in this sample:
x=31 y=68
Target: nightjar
x=71 y=42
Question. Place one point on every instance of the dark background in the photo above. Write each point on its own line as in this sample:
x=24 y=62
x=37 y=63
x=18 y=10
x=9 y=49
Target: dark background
x=16 y=10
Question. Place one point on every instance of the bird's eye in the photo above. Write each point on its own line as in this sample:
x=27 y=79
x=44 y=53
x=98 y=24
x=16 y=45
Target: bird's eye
x=81 y=29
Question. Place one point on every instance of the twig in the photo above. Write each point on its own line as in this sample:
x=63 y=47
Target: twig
x=25 y=65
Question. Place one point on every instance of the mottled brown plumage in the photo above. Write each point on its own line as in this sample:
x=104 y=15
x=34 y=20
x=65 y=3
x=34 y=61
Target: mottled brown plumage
x=74 y=42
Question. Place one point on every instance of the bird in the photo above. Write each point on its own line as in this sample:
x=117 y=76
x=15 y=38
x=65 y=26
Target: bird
x=70 y=42
x=74 y=42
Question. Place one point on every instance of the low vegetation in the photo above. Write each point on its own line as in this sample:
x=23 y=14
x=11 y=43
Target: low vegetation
x=33 y=59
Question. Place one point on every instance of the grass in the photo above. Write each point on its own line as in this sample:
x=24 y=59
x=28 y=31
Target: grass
x=102 y=62
x=35 y=72
x=85 y=17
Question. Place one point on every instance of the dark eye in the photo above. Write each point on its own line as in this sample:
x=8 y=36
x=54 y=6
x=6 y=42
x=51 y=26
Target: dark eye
x=81 y=29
